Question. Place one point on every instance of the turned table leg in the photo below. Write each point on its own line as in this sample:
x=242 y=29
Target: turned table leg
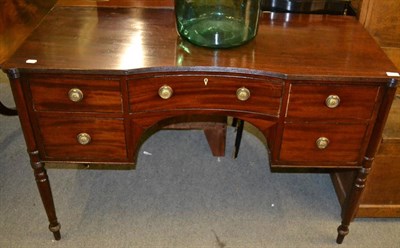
x=353 y=199
x=43 y=184
x=39 y=171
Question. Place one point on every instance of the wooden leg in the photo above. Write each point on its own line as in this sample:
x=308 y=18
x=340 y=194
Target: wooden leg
x=43 y=184
x=214 y=128
x=343 y=230
x=352 y=201
x=216 y=137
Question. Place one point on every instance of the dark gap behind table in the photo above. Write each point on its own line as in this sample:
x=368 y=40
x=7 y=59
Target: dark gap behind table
x=333 y=7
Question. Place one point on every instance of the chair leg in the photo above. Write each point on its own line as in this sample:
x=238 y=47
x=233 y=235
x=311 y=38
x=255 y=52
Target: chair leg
x=234 y=122
x=238 y=140
x=7 y=111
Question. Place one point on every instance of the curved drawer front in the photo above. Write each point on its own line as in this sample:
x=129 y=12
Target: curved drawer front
x=347 y=102
x=206 y=92
x=83 y=139
x=322 y=143
x=76 y=95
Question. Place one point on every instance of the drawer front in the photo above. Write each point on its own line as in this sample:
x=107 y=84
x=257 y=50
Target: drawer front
x=300 y=142
x=208 y=92
x=310 y=101
x=62 y=137
x=76 y=95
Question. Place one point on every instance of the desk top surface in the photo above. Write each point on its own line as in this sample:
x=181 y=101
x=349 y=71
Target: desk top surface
x=18 y=19
x=125 y=40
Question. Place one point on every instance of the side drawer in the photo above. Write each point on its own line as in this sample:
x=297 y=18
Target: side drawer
x=76 y=95
x=344 y=142
x=64 y=139
x=310 y=101
x=206 y=92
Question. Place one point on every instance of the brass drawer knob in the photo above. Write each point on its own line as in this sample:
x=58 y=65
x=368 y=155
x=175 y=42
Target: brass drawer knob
x=332 y=101
x=165 y=92
x=75 y=95
x=83 y=138
x=243 y=94
x=322 y=142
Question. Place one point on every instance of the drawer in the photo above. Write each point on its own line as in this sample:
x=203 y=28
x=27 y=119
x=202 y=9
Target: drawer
x=83 y=139
x=344 y=142
x=310 y=101
x=206 y=92
x=76 y=95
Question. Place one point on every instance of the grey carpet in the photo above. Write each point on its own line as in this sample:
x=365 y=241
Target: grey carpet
x=179 y=196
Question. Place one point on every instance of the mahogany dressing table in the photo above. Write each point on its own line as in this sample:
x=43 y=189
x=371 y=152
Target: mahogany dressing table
x=89 y=83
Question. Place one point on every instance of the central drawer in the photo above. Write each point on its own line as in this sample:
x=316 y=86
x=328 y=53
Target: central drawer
x=213 y=92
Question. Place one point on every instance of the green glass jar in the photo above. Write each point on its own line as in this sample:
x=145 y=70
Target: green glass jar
x=217 y=23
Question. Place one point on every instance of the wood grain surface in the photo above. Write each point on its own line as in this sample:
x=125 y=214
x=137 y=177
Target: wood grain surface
x=119 y=3
x=307 y=46
x=17 y=19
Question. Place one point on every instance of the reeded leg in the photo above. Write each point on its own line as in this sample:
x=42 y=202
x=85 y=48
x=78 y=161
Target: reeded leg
x=43 y=185
x=352 y=201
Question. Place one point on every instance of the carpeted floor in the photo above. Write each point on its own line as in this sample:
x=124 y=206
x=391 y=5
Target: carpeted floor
x=179 y=196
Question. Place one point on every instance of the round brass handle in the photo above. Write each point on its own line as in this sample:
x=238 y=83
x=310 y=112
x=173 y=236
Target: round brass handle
x=75 y=95
x=322 y=142
x=332 y=101
x=83 y=138
x=243 y=94
x=165 y=92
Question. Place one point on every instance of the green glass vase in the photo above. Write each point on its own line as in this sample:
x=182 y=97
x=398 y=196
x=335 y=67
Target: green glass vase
x=217 y=23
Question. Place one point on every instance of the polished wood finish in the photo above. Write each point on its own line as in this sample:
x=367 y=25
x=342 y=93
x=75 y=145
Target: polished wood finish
x=309 y=101
x=287 y=50
x=345 y=141
x=215 y=127
x=351 y=204
x=107 y=139
x=219 y=91
x=381 y=197
x=139 y=49
x=119 y=3
x=17 y=19
x=99 y=94
x=39 y=170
